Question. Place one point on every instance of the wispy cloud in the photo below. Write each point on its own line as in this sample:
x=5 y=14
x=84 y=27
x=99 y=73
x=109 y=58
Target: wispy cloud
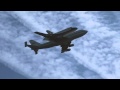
x=94 y=55
x=101 y=54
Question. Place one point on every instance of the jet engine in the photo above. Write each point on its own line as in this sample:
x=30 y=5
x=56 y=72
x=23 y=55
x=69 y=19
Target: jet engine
x=71 y=45
x=65 y=50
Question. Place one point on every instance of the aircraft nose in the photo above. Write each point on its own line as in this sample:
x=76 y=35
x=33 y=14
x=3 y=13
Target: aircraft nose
x=85 y=31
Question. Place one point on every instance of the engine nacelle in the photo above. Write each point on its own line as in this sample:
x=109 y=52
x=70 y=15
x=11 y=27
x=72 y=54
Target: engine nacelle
x=65 y=50
x=71 y=45
x=68 y=50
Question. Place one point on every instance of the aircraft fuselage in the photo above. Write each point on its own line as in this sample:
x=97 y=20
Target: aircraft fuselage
x=67 y=38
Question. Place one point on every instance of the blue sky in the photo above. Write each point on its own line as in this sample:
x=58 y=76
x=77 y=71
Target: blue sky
x=7 y=73
x=95 y=55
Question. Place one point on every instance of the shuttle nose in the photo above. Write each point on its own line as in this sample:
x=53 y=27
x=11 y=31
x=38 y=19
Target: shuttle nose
x=84 y=31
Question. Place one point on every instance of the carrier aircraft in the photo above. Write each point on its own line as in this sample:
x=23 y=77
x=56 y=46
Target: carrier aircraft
x=62 y=39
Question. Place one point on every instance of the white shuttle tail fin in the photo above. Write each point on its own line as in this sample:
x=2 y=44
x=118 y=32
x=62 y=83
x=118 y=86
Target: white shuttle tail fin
x=49 y=32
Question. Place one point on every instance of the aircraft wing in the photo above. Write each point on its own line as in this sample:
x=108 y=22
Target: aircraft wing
x=42 y=34
x=65 y=47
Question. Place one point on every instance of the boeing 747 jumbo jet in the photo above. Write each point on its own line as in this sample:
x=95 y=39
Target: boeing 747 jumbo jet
x=62 y=39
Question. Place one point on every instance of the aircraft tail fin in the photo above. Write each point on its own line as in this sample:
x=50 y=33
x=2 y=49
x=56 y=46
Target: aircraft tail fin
x=49 y=32
x=33 y=46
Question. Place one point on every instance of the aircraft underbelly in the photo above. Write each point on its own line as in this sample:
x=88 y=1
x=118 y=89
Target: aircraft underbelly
x=48 y=45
